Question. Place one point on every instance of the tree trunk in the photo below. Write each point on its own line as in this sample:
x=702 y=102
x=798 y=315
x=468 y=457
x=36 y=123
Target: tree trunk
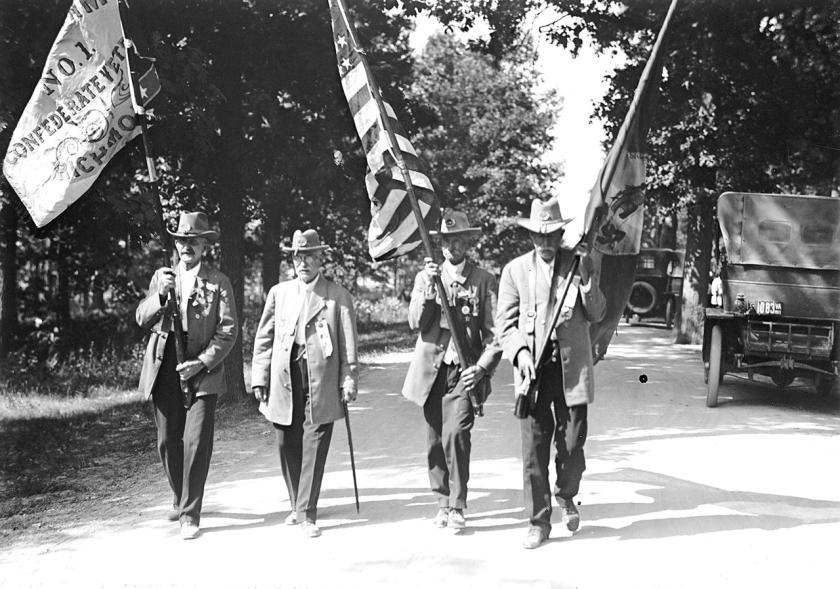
x=230 y=194
x=698 y=249
x=8 y=276
x=63 y=298
x=272 y=226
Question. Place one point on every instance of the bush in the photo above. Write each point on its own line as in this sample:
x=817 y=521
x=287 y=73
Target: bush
x=376 y=313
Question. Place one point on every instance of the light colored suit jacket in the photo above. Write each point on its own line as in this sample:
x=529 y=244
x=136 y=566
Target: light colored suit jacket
x=572 y=335
x=331 y=323
x=433 y=340
x=212 y=329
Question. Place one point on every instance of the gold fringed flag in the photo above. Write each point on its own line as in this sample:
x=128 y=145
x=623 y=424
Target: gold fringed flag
x=78 y=117
x=393 y=228
x=616 y=204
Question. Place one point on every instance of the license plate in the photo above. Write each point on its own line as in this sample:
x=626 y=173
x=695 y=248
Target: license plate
x=768 y=308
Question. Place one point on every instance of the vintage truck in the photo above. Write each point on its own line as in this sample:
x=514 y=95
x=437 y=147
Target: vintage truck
x=780 y=313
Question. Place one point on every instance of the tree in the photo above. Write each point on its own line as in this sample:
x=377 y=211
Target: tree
x=483 y=127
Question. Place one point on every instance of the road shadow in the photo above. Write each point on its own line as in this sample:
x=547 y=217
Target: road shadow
x=674 y=497
x=487 y=510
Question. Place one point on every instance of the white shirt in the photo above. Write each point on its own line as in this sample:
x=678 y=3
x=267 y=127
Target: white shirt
x=304 y=290
x=547 y=268
x=187 y=284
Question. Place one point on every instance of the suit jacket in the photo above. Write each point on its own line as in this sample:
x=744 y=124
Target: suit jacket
x=433 y=340
x=330 y=350
x=572 y=334
x=212 y=329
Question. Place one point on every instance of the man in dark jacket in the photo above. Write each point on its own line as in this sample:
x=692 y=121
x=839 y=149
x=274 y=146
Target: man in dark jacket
x=207 y=313
x=437 y=379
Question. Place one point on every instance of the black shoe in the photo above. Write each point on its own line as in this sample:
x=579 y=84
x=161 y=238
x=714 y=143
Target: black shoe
x=569 y=514
x=536 y=536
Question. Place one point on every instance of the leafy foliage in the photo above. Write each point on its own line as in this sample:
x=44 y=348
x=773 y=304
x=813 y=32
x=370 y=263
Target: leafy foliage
x=483 y=127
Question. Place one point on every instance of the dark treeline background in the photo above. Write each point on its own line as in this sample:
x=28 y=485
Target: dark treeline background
x=252 y=127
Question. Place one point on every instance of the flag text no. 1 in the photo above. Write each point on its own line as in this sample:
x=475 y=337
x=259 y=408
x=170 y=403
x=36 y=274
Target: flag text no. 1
x=78 y=117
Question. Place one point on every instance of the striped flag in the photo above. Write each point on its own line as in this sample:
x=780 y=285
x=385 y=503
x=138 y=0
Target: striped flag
x=615 y=211
x=393 y=229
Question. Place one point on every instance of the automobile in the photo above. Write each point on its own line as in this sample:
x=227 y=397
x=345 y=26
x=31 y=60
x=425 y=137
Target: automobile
x=780 y=305
x=657 y=285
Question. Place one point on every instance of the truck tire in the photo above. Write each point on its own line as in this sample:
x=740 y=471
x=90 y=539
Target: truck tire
x=715 y=366
x=643 y=298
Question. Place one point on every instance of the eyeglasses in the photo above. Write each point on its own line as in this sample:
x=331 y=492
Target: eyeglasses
x=192 y=241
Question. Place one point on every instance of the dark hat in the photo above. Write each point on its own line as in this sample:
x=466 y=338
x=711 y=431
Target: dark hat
x=455 y=223
x=305 y=241
x=545 y=216
x=194 y=225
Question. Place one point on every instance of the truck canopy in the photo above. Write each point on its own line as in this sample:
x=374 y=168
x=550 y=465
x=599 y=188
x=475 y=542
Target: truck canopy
x=781 y=230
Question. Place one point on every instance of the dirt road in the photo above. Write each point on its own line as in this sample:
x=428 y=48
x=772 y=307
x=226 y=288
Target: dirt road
x=675 y=495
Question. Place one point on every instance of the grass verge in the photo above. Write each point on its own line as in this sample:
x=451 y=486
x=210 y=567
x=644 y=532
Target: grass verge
x=66 y=458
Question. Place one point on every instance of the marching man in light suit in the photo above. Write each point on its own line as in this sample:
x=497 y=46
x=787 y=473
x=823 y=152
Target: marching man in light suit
x=304 y=370
x=528 y=293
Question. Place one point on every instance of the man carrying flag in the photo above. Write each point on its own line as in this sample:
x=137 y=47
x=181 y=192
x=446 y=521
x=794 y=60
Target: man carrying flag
x=570 y=327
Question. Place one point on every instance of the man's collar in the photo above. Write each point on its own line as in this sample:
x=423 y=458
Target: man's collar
x=455 y=269
x=311 y=284
x=192 y=271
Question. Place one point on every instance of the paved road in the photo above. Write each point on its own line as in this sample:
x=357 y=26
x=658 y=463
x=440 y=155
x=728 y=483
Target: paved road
x=675 y=495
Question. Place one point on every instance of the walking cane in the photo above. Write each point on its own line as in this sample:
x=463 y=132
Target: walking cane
x=352 y=458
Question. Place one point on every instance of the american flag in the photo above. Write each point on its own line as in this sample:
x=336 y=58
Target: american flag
x=393 y=227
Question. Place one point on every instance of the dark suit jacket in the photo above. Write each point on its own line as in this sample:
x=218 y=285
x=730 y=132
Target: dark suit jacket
x=572 y=334
x=212 y=329
x=433 y=339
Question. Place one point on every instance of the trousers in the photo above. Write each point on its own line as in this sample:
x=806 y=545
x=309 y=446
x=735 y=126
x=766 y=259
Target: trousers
x=568 y=426
x=303 y=447
x=184 y=437
x=449 y=421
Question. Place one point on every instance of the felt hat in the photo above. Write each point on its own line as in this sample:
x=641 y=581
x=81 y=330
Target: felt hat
x=194 y=225
x=546 y=216
x=305 y=242
x=455 y=223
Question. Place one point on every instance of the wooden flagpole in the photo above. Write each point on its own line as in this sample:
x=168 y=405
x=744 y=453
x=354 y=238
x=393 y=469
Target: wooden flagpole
x=453 y=319
x=173 y=308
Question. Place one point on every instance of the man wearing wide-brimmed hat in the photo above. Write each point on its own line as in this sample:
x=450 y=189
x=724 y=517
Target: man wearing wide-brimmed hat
x=528 y=293
x=206 y=310
x=304 y=371
x=437 y=379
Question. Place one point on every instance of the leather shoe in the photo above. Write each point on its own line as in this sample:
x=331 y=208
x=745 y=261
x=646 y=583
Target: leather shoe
x=291 y=519
x=310 y=530
x=569 y=514
x=189 y=531
x=456 y=519
x=441 y=518
x=536 y=536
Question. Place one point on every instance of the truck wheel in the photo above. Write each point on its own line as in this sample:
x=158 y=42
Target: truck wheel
x=824 y=384
x=782 y=378
x=669 y=313
x=715 y=373
x=643 y=298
